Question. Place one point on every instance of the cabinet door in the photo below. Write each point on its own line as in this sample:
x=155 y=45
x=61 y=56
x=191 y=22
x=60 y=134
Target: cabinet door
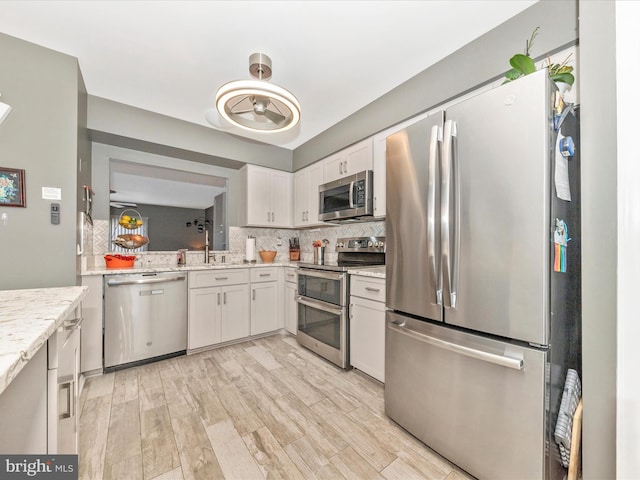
x=358 y=157
x=280 y=199
x=366 y=336
x=300 y=198
x=91 y=332
x=264 y=307
x=234 y=322
x=333 y=167
x=316 y=178
x=204 y=317
x=380 y=176
x=23 y=409
x=258 y=196
x=290 y=307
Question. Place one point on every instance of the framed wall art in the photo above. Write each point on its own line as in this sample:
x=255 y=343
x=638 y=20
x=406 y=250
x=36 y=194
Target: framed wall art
x=12 y=192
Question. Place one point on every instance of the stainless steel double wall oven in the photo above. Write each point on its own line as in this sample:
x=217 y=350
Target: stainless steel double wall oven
x=323 y=297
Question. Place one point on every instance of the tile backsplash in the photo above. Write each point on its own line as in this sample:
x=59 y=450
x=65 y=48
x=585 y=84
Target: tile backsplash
x=266 y=239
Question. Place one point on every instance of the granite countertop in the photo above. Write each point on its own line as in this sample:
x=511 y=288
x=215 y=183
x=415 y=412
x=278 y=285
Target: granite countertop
x=185 y=268
x=377 y=272
x=27 y=319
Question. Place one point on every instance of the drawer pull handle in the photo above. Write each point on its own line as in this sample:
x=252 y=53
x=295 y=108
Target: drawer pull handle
x=371 y=289
x=222 y=278
x=265 y=274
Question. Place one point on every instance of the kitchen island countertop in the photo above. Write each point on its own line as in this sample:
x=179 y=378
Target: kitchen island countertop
x=28 y=318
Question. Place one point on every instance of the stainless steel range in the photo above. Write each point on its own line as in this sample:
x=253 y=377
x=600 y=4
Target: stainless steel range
x=323 y=297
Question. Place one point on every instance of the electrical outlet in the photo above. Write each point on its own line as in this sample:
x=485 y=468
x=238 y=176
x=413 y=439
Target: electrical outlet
x=279 y=242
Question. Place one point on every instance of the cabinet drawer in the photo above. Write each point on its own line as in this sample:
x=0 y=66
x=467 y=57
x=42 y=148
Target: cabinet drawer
x=264 y=274
x=213 y=278
x=291 y=274
x=371 y=288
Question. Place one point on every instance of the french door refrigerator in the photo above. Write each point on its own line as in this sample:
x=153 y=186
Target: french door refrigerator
x=481 y=328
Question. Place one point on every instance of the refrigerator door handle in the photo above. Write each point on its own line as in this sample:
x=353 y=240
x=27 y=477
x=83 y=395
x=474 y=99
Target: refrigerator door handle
x=446 y=255
x=502 y=360
x=434 y=158
x=455 y=211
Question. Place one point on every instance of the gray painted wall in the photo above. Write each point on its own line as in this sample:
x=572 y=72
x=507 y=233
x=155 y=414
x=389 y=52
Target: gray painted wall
x=599 y=237
x=117 y=124
x=480 y=62
x=40 y=135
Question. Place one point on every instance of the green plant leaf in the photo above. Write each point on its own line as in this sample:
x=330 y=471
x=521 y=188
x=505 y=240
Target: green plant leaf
x=567 y=78
x=523 y=64
x=513 y=74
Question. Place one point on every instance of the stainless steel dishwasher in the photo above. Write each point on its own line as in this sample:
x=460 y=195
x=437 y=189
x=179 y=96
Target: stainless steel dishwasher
x=145 y=318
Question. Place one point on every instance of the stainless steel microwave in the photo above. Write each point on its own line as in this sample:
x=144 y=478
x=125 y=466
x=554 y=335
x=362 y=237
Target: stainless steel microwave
x=347 y=199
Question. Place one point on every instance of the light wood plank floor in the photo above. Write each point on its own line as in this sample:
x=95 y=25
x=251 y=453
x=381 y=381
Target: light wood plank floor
x=263 y=409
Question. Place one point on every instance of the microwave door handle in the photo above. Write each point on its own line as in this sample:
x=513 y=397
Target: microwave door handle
x=351 y=185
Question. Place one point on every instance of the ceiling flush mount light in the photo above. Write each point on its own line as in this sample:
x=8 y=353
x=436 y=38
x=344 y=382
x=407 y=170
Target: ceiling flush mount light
x=256 y=105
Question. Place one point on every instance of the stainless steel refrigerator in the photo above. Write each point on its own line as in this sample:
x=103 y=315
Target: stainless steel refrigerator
x=481 y=328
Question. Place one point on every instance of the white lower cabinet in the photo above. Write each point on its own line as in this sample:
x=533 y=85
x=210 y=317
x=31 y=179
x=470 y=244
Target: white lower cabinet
x=290 y=306
x=367 y=325
x=217 y=313
x=234 y=322
x=23 y=409
x=91 y=332
x=265 y=305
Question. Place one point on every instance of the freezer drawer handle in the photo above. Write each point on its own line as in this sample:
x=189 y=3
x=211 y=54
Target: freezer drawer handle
x=515 y=363
x=142 y=281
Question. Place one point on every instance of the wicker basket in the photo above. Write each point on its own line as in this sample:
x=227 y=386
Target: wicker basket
x=130 y=222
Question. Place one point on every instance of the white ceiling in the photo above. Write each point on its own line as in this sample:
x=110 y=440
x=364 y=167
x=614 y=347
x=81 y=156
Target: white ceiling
x=170 y=57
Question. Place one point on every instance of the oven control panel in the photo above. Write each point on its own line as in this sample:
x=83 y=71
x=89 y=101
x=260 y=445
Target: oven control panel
x=361 y=244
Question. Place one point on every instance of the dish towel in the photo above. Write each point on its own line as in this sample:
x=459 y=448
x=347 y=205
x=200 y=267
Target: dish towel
x=570 y=398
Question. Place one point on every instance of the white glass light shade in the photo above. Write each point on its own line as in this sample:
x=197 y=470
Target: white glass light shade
x=5 y=110
x=232 y=94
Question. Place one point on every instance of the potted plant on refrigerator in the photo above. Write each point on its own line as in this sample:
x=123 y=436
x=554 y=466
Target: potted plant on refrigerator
x=523 y=64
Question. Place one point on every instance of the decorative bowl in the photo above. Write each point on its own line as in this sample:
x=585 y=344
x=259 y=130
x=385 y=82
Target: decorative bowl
x=267 y=256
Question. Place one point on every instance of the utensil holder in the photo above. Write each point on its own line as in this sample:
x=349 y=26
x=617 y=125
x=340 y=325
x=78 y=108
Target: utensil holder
x=318 y=255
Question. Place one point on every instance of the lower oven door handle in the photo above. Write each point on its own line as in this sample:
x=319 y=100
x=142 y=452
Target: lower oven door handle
x=336 y=310
x=505 y=361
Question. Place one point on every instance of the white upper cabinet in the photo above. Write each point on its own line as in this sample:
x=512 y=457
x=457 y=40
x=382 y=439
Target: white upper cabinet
x=266 y=197
x=305 y=194
x=349 y=161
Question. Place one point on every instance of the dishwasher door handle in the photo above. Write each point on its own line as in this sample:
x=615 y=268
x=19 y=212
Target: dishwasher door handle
x=143 y=281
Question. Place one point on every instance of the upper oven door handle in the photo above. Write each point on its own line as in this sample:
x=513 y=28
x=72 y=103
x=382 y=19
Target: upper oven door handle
x=320 y=274
x=327 y=307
